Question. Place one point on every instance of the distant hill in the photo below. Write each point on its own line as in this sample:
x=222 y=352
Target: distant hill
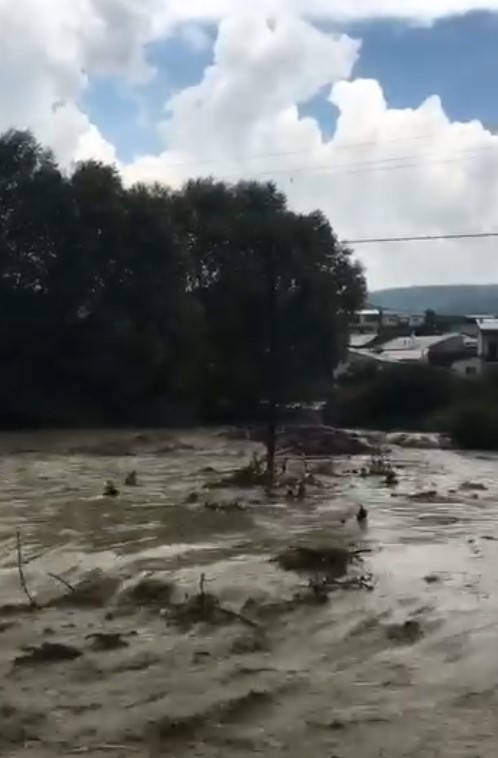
x=455 y=300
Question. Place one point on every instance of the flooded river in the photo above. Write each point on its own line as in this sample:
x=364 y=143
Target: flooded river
x=404 y=666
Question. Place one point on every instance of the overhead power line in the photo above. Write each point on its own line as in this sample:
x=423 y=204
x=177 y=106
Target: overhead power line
x=341 y=146
x=368 y=167
x=421 y=238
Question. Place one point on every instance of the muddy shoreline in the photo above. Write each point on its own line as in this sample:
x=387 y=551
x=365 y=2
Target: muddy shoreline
x=190 y=639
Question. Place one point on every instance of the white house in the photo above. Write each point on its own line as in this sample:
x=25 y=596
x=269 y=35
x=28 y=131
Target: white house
x=415 y=321
x=372 y=319
x=467 y=367
x=487 y=346
x=390 y=319
x=369 y=319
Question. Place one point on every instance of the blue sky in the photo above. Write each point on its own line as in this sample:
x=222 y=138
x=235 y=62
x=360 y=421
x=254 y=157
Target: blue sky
x=455 y=58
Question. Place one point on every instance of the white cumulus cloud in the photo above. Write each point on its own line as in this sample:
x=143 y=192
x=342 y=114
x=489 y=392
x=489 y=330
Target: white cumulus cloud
x=336 y=10
x=48 y=51
x=385 y=171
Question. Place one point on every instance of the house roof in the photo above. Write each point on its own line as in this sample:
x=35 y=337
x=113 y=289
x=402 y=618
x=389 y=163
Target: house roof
x=361 y=340
x=402 y=356
x=390 y=356
x=370 y=355
x=480 y=316
x=416 y=343
x=488 y=325
x=469 y=341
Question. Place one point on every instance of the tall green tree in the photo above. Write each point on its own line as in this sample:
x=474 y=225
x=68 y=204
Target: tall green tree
x=126 y=304
x=232 y=233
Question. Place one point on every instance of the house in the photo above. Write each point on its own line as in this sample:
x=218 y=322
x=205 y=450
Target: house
x=390 y=320
x=368 y=319
x=373 y=319
x=467 y=367
x=433 y=349
x=441 y=350
x=357 y=357
x=487 y=345
x=416 y=321
x=410 y=321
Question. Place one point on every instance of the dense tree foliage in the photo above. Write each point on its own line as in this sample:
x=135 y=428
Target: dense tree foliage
x=149 y=305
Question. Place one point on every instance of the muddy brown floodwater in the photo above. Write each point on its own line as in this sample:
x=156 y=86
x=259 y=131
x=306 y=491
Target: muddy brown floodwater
x=143 y=657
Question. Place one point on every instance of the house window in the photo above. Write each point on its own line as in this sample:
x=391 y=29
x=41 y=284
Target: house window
x=493 y=352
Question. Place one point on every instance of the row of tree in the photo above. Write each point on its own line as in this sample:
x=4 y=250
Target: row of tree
x=151 y=305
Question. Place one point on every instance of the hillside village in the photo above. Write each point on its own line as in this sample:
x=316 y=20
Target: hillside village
x=467 y=345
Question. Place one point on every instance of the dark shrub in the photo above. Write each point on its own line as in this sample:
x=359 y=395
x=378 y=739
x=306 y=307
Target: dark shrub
x=474 y=426
x=398 y=396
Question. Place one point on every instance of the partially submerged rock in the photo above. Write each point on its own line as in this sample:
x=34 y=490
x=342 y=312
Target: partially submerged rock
x=18 y=725
x=418 y=441
x=251 y=642
x=316 y=440
x=200 y=608
x=430 y=496
x=324 y=468
x=224 y=506
x=188 y=723
x=404 y=634
x=148 y=591
x=106 y=641
x=332 y=560
x=94 y=590
x=473 y=487
x=321 y=440
x=48 y=652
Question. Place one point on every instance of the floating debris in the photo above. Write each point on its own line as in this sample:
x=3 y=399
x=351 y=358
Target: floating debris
x=131 y=479
x=391 y=479
x=362 y=515
x=110 y=490
x=301 y=490
x=432 y=579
